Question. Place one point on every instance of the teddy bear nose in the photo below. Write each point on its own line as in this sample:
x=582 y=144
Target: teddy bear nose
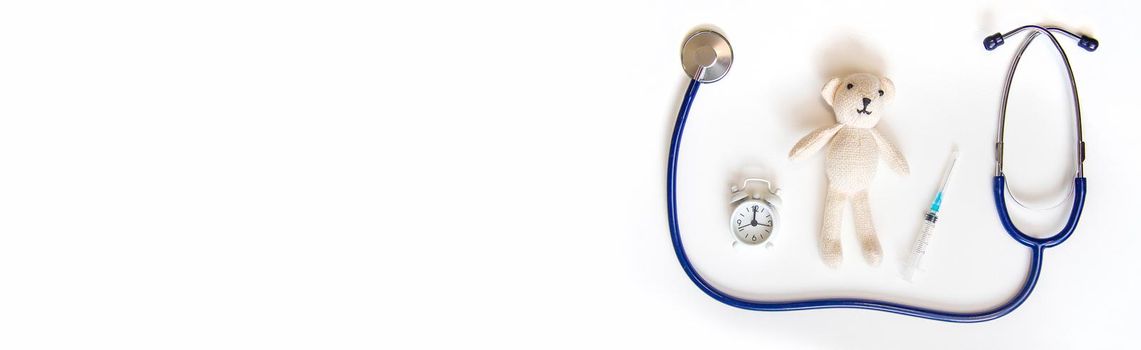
x=867 y=101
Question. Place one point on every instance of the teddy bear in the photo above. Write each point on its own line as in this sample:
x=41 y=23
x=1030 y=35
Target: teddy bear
x=854 y=150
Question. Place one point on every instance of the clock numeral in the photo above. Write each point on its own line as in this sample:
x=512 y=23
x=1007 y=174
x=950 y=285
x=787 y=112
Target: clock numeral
x=754 y=238
x=738 y=222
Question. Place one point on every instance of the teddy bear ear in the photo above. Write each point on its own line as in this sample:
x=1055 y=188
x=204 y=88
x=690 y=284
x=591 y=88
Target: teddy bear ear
x=888 y=88
x=829 y=90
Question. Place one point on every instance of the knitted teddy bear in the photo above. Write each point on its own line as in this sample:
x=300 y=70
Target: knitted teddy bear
x=854 y=148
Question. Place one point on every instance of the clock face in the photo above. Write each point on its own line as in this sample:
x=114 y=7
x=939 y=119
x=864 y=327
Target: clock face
x=752 y=222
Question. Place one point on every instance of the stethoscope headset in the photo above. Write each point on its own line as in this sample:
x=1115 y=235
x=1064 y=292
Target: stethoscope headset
x=706 y=58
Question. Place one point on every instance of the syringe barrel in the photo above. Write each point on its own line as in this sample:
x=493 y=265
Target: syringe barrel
x=915 y=258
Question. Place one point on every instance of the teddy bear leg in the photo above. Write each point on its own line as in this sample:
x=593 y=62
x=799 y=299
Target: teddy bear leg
x=830 y=233
x=865 y=230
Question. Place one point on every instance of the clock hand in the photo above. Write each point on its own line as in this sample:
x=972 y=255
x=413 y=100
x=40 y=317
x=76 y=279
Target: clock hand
x=754 y=223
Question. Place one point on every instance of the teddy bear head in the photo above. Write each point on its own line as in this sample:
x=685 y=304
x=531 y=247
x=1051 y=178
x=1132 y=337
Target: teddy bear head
x=858 y=100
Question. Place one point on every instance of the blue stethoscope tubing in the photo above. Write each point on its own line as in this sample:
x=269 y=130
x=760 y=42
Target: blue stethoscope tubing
x=1036 y=245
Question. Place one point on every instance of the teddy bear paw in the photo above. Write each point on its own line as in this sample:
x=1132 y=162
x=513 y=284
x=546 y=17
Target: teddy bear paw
x=873 y=254
x=830 y=251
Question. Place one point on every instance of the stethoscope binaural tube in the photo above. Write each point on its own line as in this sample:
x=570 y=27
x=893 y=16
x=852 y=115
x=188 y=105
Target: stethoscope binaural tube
x=1085 y=42
x=1036 y=245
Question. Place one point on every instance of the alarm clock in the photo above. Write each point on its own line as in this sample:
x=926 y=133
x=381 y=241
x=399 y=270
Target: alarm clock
x=754 y=217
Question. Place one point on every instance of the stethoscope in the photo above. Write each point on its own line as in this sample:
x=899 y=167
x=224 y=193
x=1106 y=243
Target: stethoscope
x=706 y=57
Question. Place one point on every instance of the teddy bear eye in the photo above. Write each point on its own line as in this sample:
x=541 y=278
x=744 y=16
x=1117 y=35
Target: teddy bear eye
x=850 y=86
x=881 y=92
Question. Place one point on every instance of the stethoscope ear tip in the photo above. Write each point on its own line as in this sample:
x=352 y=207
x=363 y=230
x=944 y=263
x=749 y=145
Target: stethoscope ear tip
x=993 y=42
x=1088 y=43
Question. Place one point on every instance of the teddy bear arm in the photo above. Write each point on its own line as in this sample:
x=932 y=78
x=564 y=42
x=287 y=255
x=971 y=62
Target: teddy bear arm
x=892 y=156
x=813 y=142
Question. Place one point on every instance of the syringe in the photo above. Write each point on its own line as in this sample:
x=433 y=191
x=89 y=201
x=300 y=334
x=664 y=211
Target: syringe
x=928 y=230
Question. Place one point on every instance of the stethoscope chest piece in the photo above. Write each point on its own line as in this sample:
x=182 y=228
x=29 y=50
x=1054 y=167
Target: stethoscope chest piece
x=706 y=56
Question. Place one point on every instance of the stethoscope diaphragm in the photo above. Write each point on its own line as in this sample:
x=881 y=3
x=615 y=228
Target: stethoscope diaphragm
x=706 y=56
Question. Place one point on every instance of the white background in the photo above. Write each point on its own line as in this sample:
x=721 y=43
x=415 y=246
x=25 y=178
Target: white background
x=244 y=174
